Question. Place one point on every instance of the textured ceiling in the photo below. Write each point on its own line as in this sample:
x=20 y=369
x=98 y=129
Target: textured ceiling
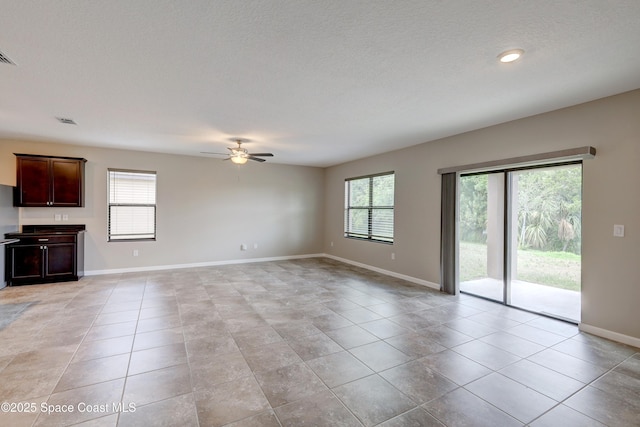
x=315 y=82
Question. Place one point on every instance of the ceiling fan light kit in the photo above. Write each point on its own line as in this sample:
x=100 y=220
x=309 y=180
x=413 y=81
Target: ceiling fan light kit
x=238 y=159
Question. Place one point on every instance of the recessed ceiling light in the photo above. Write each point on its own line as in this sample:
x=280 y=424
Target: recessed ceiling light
x=510 y=55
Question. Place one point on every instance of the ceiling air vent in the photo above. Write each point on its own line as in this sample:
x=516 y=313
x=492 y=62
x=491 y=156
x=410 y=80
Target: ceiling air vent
x=66 y=121
x=5 y=59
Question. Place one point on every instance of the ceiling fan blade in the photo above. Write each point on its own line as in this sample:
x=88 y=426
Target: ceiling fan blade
x=217 y=154
x=257 y=159
x=261 y=154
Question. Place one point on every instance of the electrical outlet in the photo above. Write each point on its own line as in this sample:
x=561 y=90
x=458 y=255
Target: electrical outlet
x=618 y=230
x=65 y=217
x=57 y=217
x=243 y=247
x=136 y=252
x=255 y=246
x=393 y=255
x=331 y=244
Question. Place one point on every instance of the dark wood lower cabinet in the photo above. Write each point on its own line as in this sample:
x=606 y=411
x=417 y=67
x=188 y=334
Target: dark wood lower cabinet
x=44 y=258
x=24 y=262
x=60 y=260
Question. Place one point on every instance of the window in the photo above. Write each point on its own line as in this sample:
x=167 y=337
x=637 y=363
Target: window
x=132 y=205
x=368 y=212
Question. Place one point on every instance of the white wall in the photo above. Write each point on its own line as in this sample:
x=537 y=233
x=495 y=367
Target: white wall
x=610 y=271
x=206 y=208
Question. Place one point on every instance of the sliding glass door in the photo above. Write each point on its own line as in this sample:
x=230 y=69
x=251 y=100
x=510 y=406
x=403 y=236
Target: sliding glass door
x=520 y=238
x=481 y=231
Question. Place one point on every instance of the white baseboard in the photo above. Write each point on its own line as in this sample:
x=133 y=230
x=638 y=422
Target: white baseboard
x=610 y=335
x=197 y=264
x=386 y=272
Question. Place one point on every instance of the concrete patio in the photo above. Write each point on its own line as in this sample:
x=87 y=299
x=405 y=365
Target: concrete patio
x=541 y=299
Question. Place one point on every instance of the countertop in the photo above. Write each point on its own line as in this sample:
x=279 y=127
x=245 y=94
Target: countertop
x=39 y=230
x=17 y=234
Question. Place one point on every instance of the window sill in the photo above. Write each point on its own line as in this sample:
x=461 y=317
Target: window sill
x=365 y=239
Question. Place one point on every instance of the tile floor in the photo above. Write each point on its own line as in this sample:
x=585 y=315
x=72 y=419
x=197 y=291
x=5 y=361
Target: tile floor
x=297 y=343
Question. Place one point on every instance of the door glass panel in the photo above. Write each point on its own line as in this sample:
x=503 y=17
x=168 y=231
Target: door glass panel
x=481 y=235
x=545 y=258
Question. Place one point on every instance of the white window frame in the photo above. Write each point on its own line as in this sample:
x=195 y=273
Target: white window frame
x=147 y=203
x=369 y=235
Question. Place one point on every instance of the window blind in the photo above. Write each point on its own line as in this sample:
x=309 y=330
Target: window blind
x=369 y=207
x=132 y=205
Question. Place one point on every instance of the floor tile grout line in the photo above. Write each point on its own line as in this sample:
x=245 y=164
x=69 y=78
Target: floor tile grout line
x=253 y=373
x=374 y=372
x=561 y=403
x=124 y=387
x=499 y=409
x=188 y=361
x=302 y=362
x=68 y=364
x=583 y=387
x=340 y=400
x=324 y=383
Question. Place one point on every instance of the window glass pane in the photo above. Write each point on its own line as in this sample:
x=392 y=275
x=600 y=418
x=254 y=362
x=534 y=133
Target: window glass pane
x=132 y=210
x=359 y=192
x=383 y=190
x=382 y=223
x=136 y=221
x=358 y=221
x=369 y=207
x=132 y=187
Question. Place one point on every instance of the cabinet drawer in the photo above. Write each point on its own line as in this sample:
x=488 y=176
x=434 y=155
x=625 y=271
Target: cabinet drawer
x=46 y=239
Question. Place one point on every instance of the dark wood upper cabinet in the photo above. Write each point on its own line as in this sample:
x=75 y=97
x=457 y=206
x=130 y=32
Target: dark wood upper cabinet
x=44 y=181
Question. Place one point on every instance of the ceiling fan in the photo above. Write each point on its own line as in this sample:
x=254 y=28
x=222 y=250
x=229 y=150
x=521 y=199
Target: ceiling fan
x=239 y=155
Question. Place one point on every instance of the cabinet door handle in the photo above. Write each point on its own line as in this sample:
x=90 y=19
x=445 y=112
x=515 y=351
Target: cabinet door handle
x=43 y=240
